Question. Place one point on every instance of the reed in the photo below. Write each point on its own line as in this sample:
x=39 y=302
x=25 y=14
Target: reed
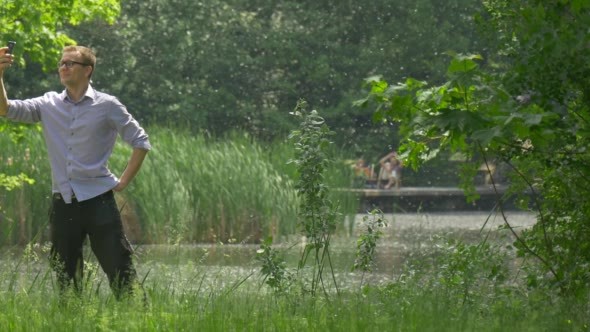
x=24 y=209
x=196 y=190
x=190 y=189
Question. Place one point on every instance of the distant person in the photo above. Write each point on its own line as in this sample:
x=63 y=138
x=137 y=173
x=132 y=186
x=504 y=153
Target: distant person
x=489 y=170
x=363 y=174
x=80 y=125
x=361 y=169
x=390 y=171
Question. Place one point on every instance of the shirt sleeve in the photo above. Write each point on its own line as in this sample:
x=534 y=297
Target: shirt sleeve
x=27 y=111
x=128 y=128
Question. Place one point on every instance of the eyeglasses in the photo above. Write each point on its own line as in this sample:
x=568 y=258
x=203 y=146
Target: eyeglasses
x=70 y=64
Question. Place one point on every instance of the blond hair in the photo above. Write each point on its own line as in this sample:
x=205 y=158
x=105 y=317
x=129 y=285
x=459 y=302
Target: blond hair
x=88 y=56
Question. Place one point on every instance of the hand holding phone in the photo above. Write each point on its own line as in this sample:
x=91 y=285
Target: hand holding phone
x=10 y=46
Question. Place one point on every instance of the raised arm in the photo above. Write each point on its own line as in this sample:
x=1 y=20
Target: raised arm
x=384 y=159
x=5 y=62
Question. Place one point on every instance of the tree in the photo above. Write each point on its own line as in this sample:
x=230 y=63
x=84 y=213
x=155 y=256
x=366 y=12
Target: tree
x=526 y=105
x=219 y=66
x=38 y=26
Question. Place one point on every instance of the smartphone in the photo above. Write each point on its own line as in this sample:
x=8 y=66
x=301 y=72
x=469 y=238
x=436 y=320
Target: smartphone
x=10 y=46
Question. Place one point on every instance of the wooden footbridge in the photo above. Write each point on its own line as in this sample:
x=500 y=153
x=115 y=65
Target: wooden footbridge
x=411 y=199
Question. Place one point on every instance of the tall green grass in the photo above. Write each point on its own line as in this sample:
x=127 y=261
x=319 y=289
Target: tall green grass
x=194 y=190
x=190 y=189
x=24 y=210
x=188 y=296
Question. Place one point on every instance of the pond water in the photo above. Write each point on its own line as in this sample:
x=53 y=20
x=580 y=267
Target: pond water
x=204 y=268
x=404 y=234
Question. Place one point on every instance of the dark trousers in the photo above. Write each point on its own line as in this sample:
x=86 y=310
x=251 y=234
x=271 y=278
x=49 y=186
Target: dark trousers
x=99 y=220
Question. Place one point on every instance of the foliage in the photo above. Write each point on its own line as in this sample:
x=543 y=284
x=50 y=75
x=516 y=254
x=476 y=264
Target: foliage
x=229 y=65
x=526 y=106
x=457 y=277
x=466 y=271
x=367 y=242
x=38 y=27
x=317 y=212
x=14 y=178
x=11 y=182
x=274 y=268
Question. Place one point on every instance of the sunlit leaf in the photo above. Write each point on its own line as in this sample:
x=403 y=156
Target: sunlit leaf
x=462 y=64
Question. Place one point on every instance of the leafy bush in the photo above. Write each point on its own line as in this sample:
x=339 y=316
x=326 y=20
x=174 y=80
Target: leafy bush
x=525 y=106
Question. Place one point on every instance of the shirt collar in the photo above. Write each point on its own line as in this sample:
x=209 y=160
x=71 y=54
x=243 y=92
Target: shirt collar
x=90 y=93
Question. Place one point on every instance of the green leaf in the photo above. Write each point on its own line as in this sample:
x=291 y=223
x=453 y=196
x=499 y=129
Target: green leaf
x=414 y=84
x=361 y=102
x=463 y=63
x=533 y=119
x=487 y=135
x=456 y=119
x=373 y=79
x=378 y=87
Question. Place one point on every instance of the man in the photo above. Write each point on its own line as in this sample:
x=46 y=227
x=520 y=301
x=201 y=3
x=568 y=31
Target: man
x=80 y=126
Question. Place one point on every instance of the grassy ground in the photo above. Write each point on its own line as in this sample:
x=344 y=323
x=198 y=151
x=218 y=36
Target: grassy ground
x=254 y=309
x=448 y=289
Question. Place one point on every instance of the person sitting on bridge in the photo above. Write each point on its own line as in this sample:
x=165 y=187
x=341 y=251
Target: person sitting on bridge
x=363 y=174
x=390 y=170
x=489 y=170
x=361 y=169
